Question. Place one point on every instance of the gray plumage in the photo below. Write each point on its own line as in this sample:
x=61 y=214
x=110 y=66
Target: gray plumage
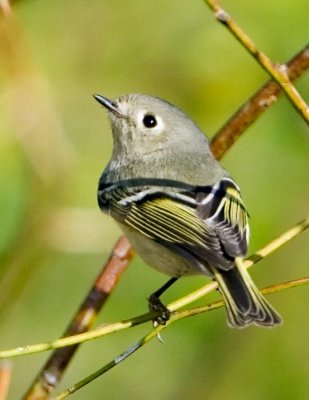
x=178 y=207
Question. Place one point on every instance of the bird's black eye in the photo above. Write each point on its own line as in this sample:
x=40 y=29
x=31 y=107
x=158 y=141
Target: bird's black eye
x=149 y=121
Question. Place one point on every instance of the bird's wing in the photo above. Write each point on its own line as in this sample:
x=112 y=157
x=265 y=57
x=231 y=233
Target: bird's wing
x=224 y=211
x=207 y=224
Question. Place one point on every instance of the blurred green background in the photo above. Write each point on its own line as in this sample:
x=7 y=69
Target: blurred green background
x=54 y=143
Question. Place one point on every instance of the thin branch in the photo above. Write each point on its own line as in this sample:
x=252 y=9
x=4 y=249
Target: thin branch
x=52 y=371
x=104 y=369
x=276 y=71
x=265 y=97
x=253 y=259
x=5 y=7
x=155 y=332
x=119 y=326
x=5 y=379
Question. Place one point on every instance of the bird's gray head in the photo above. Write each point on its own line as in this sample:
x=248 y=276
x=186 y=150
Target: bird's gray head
x=143 y=125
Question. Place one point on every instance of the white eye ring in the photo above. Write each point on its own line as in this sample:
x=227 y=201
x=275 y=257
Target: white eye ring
x=149 y=122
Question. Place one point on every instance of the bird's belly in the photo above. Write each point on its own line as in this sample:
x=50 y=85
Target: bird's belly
x=158 y=256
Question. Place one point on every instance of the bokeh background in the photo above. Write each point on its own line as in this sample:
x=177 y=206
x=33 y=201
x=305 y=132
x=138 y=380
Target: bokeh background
x=54 y=143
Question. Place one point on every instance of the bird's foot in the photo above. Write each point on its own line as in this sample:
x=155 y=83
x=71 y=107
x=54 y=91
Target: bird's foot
x=156 y=305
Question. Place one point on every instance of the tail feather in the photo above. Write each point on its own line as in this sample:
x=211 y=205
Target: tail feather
x=244 y=303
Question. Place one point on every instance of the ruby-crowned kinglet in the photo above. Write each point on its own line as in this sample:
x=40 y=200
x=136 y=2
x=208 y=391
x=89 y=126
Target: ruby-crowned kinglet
x=178 y=207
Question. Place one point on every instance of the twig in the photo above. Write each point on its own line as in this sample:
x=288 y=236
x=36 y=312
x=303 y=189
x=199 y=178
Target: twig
x=253 y=259
x=5 y=7
x=104 y=369
x=119 y=326
x=276 y=71
x=154 y=333
x=52 y=371
x=265 y=97
x=5 y=379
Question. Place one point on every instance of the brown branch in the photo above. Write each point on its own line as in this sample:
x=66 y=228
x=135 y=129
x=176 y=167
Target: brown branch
x=5 y=379
x=276 y=71
x=108 y=329
x=265 y=97
x=106 y=282
x=5 y=7
x=176 y=316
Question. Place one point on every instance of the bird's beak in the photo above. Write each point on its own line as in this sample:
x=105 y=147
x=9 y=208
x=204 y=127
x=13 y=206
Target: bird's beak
x=109 y=104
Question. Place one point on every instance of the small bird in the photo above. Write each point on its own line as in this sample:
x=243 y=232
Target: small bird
x=177 y=206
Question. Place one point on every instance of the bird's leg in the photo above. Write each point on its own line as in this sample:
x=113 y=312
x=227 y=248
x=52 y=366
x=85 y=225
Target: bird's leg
x=156 y=305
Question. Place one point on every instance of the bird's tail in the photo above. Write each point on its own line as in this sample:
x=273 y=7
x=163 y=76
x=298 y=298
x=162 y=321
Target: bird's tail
x=244 y=303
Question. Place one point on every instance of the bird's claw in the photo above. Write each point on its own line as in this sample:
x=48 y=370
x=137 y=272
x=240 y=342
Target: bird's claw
x=156 y=305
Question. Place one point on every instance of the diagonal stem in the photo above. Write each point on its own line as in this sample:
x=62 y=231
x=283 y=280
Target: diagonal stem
x=279 y=72
x=265 y=97
x=119 y=326
x=52 y=371
x=155 y=332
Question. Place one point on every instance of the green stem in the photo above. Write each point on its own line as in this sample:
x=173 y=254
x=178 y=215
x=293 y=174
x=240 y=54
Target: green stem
x=155 y=332
x=277 y=71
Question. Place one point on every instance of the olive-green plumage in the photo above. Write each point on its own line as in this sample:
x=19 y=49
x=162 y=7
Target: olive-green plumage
x=178 y=207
